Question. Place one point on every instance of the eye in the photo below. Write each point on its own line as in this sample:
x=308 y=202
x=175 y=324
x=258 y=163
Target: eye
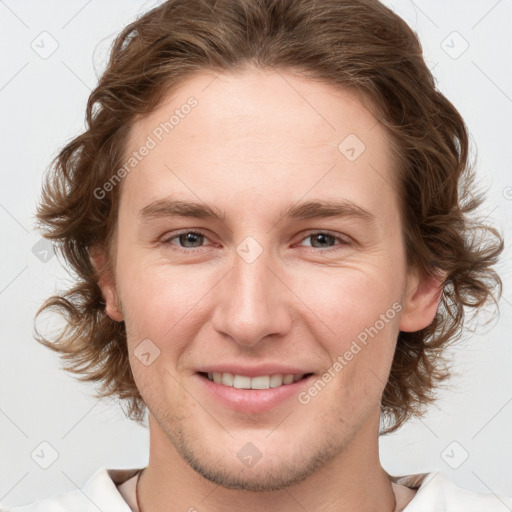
x=186 y=240
x=325 y=240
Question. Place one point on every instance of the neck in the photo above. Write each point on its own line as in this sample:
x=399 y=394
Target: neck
x=352 y=481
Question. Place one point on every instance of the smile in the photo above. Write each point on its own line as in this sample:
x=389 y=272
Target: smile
x=258 y=382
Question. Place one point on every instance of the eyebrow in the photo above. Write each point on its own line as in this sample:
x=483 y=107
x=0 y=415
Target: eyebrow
x=326 y=209
x=175 y=208
x=297 y=211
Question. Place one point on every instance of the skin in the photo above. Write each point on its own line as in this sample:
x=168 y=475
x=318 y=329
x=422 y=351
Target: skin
x=256 y=142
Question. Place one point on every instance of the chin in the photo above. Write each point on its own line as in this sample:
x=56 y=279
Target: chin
x=237 y=463
x=263 y=477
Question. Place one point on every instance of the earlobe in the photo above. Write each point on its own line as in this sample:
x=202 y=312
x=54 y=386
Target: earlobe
x=421 y=302
x=112 y=307
x=107 y=285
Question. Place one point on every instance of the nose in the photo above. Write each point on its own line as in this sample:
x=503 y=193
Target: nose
x=253 y=302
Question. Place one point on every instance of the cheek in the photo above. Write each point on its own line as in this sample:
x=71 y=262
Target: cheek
x=362 y=314
x=158 y=306
x=352 y=299
x=154 y=302
x=162 y=302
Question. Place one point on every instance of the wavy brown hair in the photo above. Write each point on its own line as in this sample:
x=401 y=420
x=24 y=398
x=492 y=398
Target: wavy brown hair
x=359 y=45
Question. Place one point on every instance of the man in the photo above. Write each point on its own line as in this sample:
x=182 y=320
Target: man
x=321 y=180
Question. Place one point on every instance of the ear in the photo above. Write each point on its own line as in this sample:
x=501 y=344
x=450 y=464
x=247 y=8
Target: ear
x=421 y=301
x=106 y=283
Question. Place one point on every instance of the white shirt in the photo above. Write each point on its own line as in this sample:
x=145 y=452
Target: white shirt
x=110 y=490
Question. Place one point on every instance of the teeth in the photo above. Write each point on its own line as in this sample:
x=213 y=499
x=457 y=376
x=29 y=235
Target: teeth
x=288 y=379
x=260 y=382
x=241 y=382
x=227 y=379
x=276 y=380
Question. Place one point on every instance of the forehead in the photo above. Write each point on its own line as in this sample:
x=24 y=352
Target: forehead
x=256 y=129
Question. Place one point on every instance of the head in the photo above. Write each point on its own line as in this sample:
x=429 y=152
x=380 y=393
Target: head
x=250 y=110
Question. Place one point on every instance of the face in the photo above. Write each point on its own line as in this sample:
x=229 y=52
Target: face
x=251 y=282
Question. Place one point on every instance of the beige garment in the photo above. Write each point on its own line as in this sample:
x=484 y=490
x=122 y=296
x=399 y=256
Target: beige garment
x=127 y=491
x=403 y=494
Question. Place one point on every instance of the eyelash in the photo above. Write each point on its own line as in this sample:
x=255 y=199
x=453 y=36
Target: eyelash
x=343 y=241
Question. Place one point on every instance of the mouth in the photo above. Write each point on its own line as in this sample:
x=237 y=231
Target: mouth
x=260 y=382
x=253 y=390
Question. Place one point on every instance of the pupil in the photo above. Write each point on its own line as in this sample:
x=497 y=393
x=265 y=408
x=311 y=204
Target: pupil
x=322 y=237
x=190 y=238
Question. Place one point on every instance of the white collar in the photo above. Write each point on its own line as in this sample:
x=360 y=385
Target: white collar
x=435 y=493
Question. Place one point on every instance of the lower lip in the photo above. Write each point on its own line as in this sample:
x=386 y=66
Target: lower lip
x=252 y=401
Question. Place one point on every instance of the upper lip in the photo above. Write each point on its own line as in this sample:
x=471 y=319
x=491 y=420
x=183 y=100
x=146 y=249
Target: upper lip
x=253 y=371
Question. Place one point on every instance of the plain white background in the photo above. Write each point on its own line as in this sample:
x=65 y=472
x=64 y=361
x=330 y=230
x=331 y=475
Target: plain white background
x=467 y=44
